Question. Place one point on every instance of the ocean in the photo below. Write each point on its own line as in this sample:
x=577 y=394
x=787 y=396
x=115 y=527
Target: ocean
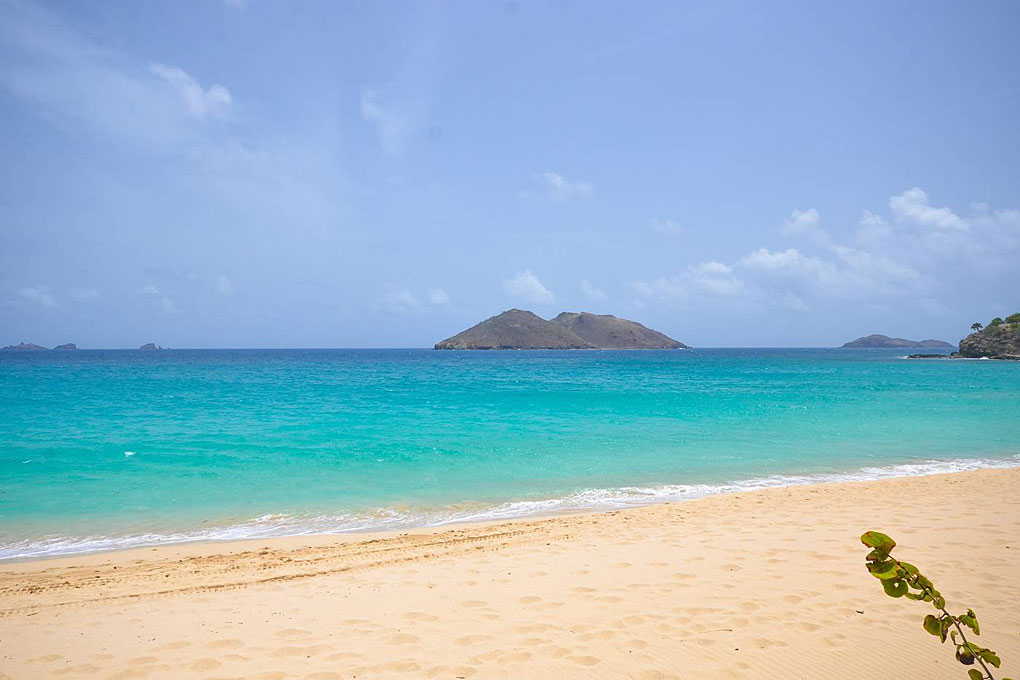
x=110 y=449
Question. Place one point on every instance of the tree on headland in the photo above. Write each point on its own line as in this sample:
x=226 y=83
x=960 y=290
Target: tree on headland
x=995 y=322
x=1013 y=318
x=976 y=326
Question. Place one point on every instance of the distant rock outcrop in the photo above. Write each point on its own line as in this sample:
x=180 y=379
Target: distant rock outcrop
x=24 y=346
x=872 y=341
x=999 y=340
x=606 y=331
x=520 y=329
x=150 y=346
x=69 y=345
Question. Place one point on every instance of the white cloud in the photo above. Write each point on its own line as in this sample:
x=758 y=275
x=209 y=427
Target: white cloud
x=805 y=223
x=912 y=205
x=526 y=286
x=38 y=294
x=224 y=286
x=398 y=301
x=561 y=188
x=438 y=297
x=200 y=102
x=594 y=293
x=84 y=294
x=148 y=291
x=666 y=226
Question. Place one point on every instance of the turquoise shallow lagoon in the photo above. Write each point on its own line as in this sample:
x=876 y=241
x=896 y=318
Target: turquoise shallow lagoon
x=106 y=449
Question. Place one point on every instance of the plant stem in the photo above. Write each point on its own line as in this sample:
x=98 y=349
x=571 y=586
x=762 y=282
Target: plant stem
x=956 y=624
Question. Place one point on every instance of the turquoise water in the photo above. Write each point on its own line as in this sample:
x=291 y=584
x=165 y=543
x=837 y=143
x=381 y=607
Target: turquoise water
x=102 y=449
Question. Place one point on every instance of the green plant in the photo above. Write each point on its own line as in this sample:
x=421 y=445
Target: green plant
x=899 y=579
x=995 y=322
x=976 y=327
x=1013 y=318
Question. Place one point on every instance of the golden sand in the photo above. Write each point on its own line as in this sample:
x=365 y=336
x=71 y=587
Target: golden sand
x=764 y=584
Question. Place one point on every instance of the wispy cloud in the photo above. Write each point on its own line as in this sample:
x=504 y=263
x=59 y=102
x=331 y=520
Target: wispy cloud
x=200 y=102
x=84 y=294
x=394 y=121
x=438 y=297
x=224 y=286
x=562 y=189
x=38 y=295
x=526 y=287
x=594 y=293
x=666 y=226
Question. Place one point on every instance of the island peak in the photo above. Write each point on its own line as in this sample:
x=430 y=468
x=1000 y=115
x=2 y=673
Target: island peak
x=522 y=329
x=884 y=341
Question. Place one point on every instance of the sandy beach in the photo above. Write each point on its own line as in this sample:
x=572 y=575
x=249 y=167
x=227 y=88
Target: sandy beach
x=762 y=584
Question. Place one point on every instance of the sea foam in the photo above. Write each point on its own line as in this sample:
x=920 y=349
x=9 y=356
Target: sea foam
x=390 y=519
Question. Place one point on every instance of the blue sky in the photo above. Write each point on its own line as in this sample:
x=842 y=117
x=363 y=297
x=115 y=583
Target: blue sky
x=319 y=174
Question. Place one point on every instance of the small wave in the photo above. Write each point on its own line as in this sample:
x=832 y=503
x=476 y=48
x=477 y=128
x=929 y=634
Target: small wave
x=128 y=454
x=387 y=519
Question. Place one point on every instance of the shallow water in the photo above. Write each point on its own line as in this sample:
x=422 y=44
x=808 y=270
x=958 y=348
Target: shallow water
x=104 y=449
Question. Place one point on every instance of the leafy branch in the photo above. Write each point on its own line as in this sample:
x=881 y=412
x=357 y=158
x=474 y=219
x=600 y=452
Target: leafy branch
x=899 y=579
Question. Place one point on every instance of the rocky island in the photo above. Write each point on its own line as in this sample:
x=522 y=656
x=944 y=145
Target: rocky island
x=69 y=345
x=150 y=346
x=884 y=341
x=22 y=346
x=521 y=329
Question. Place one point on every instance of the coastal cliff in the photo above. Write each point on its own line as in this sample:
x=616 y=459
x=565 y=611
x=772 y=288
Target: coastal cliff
x=1000 y=339
x=521 y=329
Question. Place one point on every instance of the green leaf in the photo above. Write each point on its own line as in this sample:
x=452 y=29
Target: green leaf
x=969 y=621
x=939 y=602
x=915 y=596
x=878 y=541
x=990 y=656
x=884 y=570
x=909 y=568
x=946 y=622
x=975 y=674
x=933 y=625
x=895 y=587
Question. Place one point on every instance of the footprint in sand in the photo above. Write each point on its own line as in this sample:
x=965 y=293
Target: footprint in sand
x=48 y=658
x=292 y=633
x=584 y=660
x=420 y=616
x=401 y=639
x=206 y=664
x=529 y=599
x=225 y=644
x=469 y=640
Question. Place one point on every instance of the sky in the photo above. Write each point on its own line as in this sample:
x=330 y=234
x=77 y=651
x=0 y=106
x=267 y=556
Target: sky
x=260 y=173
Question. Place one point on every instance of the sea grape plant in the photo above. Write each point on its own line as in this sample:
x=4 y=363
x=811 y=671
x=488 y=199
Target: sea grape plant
x=902 y=579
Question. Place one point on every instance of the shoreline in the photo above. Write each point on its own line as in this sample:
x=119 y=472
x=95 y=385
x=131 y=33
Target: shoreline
x=741 y=585
x=584 y=501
